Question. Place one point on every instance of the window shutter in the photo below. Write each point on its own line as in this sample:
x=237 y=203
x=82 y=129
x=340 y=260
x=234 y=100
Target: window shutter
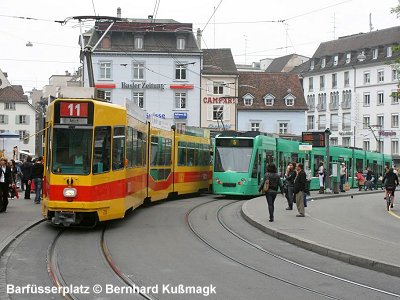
x=17 y=119
x=209 y=113
x=227 y=112
x=27 y=119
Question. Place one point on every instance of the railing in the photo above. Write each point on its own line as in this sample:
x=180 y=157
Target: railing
x=321 y=107
x=333 y=106
x=321 y=126
x=346 y=104
x=346 y=127
x=334 y=127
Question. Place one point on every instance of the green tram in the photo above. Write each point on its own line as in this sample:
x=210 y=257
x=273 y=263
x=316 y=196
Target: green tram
x=240 y=160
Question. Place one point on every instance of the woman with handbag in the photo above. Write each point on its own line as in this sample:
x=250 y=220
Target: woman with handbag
x=269 y=186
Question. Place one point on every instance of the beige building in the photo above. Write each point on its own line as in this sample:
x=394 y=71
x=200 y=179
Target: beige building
x=219 y=90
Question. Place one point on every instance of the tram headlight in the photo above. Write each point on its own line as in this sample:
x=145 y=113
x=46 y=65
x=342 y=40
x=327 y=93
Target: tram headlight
x=217 y=180
x=242 y=181
x=70 y=192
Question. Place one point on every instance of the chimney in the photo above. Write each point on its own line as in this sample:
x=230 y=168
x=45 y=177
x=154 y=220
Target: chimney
x=198 y=37
x=119 y=12
x=150 y=17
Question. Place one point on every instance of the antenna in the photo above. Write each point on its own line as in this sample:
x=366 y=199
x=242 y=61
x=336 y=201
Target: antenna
x=214 y=26
x=245 y=49
x=370 y=23
x=287 y=35
x=334 y=26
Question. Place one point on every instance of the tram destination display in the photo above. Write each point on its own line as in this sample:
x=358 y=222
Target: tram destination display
x=316 y=139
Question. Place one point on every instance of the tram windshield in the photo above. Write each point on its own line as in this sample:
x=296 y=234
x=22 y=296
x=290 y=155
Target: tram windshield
x=233 y=155
x=71 y=151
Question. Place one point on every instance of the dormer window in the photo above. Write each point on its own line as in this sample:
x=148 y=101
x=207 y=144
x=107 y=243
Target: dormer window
x=248 y=99
x=269 y=100
x=323 y=62
x=289 y=99
x=335 y=60
x=138 y=42
x=348 y=58
x=389 y=51
x=375 y=53
x=180 y=43
x=312 y=65
x=106 y=42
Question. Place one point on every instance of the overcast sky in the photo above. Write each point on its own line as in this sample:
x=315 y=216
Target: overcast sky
x=55 y=47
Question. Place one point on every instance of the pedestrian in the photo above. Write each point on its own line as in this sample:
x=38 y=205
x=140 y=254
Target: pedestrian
x=14 y=173
x=321 y=177
x=5 y=183
x=26 y=171
x=343 y=176
x=274 y=182
x=300 y=183
x=290 y=175
x=37 y=177
x=369 y=178
x=308 y=184
x=360 y=179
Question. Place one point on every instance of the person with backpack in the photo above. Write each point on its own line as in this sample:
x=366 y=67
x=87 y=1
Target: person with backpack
x=273 y=181
x=26 y=171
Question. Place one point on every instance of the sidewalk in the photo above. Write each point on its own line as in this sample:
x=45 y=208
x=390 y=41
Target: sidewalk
x=360 y=233
x=20 y=215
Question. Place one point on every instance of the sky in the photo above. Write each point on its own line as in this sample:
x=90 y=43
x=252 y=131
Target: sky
x=243 y=26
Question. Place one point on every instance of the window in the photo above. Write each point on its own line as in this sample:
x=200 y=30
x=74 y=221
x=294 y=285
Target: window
x=180 y=100
x=107 y=96
x=218 y=112
x=22 y=134
x=138 y=98
x=310 y=122
x=334 y=122
x=180 y=72
x=334 y=141
x=106 y=43
x=9 y=106
x=312 y=65
x=269 y=100
x=380 y=98
x=395 y=147
x=22 y=119
x=366 y=121
x=380 y=121
x=255 y=126
x=3 y=119
x=395 y=97
x=105 y=70
x=248 y=100
x=367 y=78
x=180 y=43
x=375 y=53
x=289 y=100
x=138 y=71
x=321 y=122
x=322 y=82
x=381 y=76
x=395 y=120
x=102 y=150
x=348 y=58
x=323 y=63
x=346 y=142
x=346 y=121
x=334 y=81
x=310 y=84
x=394 y=75
x=367 y=99
x=389 y=51
x=118 y=148
x=218 y=88
x=283 y=127
x=335 y=60
x=366 y=145
x=139 y=42
x=346 y=78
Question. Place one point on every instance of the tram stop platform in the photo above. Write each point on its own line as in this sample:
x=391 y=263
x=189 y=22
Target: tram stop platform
x=354 y=227
x=21 y=214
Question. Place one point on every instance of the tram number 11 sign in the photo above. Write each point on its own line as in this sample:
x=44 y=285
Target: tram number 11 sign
x=74 y=109
x=316 y=139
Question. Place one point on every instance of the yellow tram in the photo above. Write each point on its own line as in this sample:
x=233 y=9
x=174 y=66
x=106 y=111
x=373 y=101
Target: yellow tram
x=102 y=160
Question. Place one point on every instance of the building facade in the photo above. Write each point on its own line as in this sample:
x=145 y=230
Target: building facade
x=154 y=63
x=272 y=103
x=349 y=85
x=219 y=91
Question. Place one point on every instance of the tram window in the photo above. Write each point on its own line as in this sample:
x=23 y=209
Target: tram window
x=154 y=150
x=71 y=151
x=359 y=165
x=190 y=155
x=140 y=149
x=102 y=149
x=182 y=152
x=48 y=148
x=255 y=166
x=161 y=152
x=168 y=151
x=129 y=146
x=118 y=153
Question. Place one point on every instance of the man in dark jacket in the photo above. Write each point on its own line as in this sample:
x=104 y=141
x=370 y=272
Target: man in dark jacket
x=26 y=170
x=37 y=177
x=5 y=183
x=300 y=183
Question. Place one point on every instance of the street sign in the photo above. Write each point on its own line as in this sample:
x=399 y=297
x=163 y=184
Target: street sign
x=316 y=139
x=305 y=147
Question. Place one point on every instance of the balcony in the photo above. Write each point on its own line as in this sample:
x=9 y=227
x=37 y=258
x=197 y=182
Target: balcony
x=311 y=108
x=346 y=127
x=321 y=107
x=321 y=126
x=346 y=105
x=334 y=127
x=333 y=106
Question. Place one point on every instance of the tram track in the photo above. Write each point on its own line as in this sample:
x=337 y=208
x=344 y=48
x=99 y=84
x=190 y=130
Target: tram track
x=276 y=256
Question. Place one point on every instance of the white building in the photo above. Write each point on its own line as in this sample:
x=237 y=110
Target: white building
x=16 y=115
x=154 y=63
x=348 y=84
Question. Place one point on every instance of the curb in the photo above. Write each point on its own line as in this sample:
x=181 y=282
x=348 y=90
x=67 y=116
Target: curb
x=347 y=194
x=16 y=234
x=346 y=257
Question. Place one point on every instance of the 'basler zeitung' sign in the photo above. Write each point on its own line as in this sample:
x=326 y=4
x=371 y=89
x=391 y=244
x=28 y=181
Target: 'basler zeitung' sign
x=143 y=85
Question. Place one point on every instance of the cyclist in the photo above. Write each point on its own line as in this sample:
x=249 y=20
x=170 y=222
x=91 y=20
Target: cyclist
x=390 y=181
